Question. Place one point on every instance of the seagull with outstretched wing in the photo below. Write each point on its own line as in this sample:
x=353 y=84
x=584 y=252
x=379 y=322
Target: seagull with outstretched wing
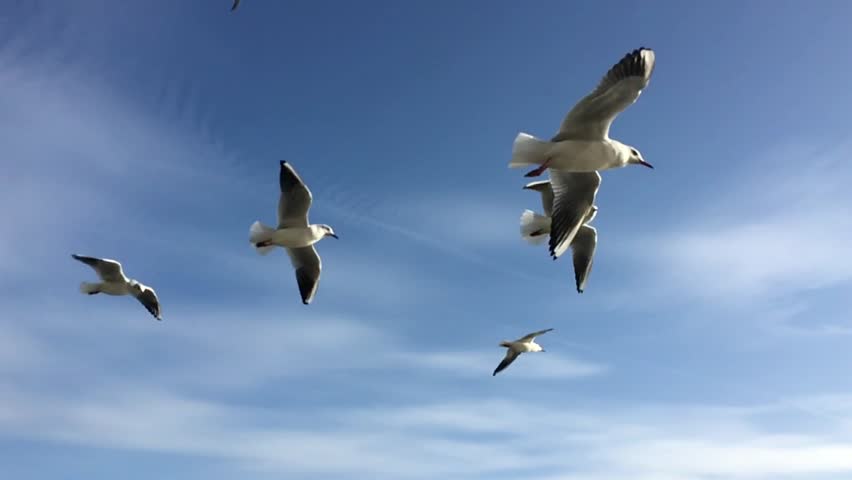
x=582 y=143
x=535 y=227
x=294 y=232
x=114 y=282
x=515 y=348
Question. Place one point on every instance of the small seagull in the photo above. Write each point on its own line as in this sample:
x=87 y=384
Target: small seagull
x=115 y=283
x=582 y=143
x=519 y=346
x=534 y=227
x=294 y=233
x=236 y=4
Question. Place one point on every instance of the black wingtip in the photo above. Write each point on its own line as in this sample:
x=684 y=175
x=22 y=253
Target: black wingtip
x=283 y=162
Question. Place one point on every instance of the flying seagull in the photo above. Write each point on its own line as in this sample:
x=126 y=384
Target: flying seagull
x=236 y=4
x=519 y=346
x=534 y=227
x=113 y=282
x=582 y=143
x=294 y=233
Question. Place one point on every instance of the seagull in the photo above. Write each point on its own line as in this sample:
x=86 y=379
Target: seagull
x=582 y=143
x=519 y=346
x=534 y=227
x=294 y=233
x=115 y=283
x=236 y=4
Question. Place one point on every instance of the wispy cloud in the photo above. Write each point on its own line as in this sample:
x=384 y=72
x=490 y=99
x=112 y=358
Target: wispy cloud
x=778 y=231
x=463 y=439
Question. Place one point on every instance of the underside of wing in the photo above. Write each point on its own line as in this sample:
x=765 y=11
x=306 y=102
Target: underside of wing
x=510 y=357
x=108 y=270
x=295 y=198
x=148 y=299
x=591 y=118
x=530 y=336
x=307 y=263
x=573 y=197
x=583 y=246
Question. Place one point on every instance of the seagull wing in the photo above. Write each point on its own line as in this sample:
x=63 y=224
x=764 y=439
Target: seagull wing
x=583 y=247
x=295 y=198
x=510 y=357
x=108 y=270
x=574 y=195
x=530 y=336
x=308 y=265
x=148 y=299
x=546 y=191
x=592 y=116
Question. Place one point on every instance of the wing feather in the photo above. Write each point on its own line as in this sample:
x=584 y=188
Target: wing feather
x=592 y=116
x=308 y=266
x=295 y=200
x=574 y=195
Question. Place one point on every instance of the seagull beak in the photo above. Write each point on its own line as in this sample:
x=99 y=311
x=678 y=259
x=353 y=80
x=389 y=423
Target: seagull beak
x=646 y=164
x=333 y=236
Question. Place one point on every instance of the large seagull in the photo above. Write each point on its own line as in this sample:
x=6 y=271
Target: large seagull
x=582 y=143
x=294 y=233
x=535 y=228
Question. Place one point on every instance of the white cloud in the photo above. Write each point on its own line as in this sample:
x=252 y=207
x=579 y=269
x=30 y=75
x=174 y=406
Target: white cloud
x=777 y=230
x=460 y=439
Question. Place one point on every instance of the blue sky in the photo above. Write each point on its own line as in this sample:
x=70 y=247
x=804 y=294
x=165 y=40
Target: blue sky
x=713 y=338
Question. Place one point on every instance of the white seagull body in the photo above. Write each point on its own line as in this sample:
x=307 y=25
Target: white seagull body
x=534 y=227
x=114 y=282
x=582 y=143
x=519 y=346
x=294 y=233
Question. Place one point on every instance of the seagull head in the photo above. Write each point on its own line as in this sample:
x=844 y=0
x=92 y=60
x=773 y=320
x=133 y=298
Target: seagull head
x=329 y=232
x=636 y=158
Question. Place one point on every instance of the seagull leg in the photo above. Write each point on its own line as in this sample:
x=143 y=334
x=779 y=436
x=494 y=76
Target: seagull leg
x=538 y=171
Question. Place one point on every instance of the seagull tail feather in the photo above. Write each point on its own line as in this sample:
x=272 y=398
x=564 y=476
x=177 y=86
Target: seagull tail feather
x=258 y=233
x=528 y=150
x=534 y=227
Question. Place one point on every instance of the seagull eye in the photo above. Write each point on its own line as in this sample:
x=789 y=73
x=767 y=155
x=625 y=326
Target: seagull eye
x=634 y=152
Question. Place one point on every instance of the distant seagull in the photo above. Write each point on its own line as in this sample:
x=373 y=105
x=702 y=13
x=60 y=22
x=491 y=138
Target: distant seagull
x=115 y=283
x=534 y=227
x=236 y=4
x=294 y=233
x=519 y=346
x=583 y=143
